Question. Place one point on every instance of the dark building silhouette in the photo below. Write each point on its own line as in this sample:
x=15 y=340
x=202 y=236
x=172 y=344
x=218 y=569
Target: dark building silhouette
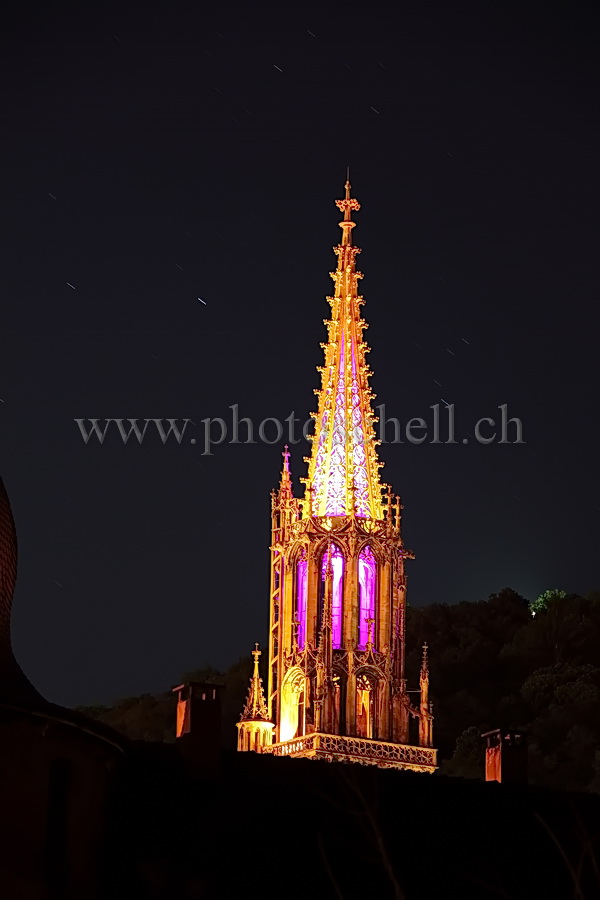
x=55 y=770
x=198 y=727
x=87 y=815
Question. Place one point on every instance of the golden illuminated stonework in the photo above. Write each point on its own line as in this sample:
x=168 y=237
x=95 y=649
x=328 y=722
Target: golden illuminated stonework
x=337 y=688
x=254 y=727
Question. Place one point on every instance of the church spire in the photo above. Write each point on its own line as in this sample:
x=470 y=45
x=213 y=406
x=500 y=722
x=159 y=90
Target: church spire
x=254 y=728
x=337 y=688
x=255 y=709
x=285 y=483
x=343 y=474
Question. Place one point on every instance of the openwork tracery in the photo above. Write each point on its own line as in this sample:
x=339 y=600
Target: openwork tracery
x=337 y=687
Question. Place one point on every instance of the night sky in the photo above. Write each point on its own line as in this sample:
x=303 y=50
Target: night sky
x=158 y=155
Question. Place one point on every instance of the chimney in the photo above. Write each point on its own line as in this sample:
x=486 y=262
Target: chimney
x=506 y=756
x=198 y=730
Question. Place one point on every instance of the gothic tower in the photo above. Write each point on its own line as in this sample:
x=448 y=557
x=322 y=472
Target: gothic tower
x=336 y=687
x=254 y=728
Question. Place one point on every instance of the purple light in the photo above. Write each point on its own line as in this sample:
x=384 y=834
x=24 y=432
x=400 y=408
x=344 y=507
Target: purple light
x=301 y=595
x=337 y=564
x=359 y=459
x=336 y=487
x=367 y=569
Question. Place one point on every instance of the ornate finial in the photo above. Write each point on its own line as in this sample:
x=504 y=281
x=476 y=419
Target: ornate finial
x=346 y=206
x=285 y=485
x=425 y=662
x=396 y=507
x=256 y=705
x=425 y=718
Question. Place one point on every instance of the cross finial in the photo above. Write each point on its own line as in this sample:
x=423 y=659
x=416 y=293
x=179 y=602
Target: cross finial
x=285 y=485
x=256 y=707
x=346 y=206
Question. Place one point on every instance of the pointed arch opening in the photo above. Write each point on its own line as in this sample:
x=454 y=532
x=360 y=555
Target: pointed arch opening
x=292 y=710
x=301 y=598
x=367 y=580
x=337 y=593
x=366 y=705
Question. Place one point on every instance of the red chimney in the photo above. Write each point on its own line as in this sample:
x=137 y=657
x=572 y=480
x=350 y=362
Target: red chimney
x=198 y=729
x=506 y=756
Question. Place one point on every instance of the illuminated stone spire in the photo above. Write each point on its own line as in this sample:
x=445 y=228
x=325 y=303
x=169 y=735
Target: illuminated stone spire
x=285 y=484
x=337 y=688
x=255 y=709
x=343 y=473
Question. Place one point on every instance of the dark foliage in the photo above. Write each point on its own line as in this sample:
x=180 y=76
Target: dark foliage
x=493 y=664
x=152 y=717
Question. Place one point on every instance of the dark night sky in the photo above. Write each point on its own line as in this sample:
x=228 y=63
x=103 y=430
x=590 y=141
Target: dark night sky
x=169 y=138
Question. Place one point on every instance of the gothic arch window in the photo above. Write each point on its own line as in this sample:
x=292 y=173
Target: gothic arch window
x=292 y=715
x=301 y=598
x=366 y=690
x=367 y=580
x=337 y=593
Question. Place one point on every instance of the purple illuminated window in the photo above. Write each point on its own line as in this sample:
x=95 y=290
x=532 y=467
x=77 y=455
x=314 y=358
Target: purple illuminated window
x=367 y=569
x=301 y=594
x=336 y=487
x=337 y=564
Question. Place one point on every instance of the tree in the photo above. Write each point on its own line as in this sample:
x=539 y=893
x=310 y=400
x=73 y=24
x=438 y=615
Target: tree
x=544 y=601
x=468 y=759
x=492 y=665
